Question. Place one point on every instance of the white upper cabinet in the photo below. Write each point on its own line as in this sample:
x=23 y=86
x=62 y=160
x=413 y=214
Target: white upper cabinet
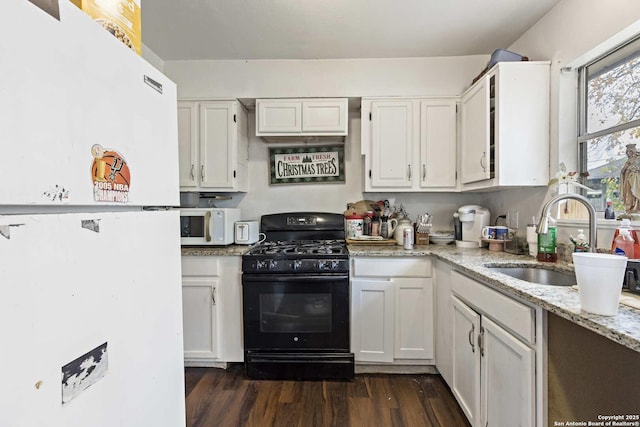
x=505 y=127
x=409 y=144
x=437 y=144
x=278 y=117
x=302 y=117
x=188 y=143
x=392 y=141
x=213 y=143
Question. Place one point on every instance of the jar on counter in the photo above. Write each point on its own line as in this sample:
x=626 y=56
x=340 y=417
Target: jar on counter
x=375 y=226
x=368 y=220
x=354 y=224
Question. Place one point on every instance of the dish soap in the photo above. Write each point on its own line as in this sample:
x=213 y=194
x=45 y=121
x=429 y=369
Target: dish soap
x=547 y=247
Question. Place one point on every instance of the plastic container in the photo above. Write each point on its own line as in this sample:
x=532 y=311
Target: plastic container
x=547 y=244
x=623 y=244
x=609 y=213
x=500 y=55
x=635 y=234
x=599 y=278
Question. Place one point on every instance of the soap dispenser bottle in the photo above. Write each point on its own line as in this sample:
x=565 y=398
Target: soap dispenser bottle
x=623 y=242
x=547 y=246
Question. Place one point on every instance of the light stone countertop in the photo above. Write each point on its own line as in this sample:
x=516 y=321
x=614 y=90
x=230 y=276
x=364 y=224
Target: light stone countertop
x=230 y=250
x=623 y=328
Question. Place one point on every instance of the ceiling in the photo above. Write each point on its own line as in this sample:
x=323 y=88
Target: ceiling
x=334 y=29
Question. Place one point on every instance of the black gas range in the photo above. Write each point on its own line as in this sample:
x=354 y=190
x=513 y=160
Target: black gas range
x=296 y=301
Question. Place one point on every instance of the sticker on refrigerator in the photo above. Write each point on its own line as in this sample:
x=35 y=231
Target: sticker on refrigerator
x=110 y=175
x=57 y=192
x=84 y=371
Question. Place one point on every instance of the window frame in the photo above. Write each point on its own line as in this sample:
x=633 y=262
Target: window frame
x=600 y=64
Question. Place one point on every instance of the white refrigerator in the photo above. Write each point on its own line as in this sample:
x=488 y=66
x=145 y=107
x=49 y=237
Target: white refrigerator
x=90 y=286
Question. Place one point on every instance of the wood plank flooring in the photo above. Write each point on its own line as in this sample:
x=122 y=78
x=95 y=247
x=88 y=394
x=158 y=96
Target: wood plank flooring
x=217 y=397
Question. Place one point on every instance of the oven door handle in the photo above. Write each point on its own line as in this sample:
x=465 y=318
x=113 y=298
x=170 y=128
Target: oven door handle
x=280 y=278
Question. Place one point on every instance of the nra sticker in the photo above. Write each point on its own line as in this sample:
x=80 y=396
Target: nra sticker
x=110 y=175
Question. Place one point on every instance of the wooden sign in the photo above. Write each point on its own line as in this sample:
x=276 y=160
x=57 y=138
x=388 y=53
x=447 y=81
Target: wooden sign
x=305 y=165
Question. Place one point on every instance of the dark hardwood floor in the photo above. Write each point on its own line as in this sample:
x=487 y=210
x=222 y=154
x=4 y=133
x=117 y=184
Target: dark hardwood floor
x=217 y=397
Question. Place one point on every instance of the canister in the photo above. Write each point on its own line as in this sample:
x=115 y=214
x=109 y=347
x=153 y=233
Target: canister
x=354 y=224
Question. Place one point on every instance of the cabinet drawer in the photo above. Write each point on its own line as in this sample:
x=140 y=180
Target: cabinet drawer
x=200 y=266
x=391 y=267
x=515 y=316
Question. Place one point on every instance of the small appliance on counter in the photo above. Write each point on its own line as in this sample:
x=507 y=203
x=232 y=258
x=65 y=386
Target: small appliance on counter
x=246 y=232
x=473 y=219
x=632 y=277
x=208 y=226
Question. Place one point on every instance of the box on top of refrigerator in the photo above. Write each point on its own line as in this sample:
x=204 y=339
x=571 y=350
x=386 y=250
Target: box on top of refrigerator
x=120 y=17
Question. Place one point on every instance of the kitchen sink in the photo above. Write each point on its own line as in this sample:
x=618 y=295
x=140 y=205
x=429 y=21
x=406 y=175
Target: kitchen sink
x=541 y=275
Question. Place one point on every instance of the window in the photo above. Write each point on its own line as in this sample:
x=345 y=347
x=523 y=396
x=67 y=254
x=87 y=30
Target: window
x=609 y=123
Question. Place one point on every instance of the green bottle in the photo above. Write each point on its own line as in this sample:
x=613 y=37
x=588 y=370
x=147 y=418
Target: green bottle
x=547 y=245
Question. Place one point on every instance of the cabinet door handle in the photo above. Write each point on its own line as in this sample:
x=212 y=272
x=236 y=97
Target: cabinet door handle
x=193 y=177
x=471 y=332
x=408 y=172
x=482 y=161
x=481 y=341
x=424 y=171
x=202 y=172
x=213 y=295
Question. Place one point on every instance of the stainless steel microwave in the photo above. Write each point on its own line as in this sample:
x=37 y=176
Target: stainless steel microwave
x=208 y=226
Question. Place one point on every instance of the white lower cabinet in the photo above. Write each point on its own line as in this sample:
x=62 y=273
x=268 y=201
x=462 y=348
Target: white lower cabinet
x=200 y=317
x=212 y=309
x=391 y=309
x=493 y=355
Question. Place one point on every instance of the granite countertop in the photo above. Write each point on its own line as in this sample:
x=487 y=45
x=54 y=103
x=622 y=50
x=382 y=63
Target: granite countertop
x=229 y=250
x=623 y=328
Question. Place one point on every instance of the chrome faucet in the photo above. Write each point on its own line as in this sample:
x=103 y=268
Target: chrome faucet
x=543 y=225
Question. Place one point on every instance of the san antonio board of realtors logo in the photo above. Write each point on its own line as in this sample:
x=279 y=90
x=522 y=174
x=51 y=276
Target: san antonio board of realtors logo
x=110 y=175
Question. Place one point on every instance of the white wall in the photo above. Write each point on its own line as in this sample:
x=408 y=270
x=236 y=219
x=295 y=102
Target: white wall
x=309 y=78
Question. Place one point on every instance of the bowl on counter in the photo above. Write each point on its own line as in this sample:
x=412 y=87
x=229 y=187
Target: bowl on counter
x=442 y=237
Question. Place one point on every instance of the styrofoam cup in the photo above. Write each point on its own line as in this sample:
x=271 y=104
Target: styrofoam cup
x=599 y=278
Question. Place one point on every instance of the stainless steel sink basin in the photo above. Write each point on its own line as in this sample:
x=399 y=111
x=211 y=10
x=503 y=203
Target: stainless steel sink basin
x=539 y=275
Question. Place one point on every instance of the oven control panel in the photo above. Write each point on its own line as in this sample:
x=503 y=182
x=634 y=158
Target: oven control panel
x=300 y=265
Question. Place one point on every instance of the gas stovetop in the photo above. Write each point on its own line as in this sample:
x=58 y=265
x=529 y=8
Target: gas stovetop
x=297 y=256
x=300 y=247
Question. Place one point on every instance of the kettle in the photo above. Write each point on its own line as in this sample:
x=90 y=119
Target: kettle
x=398 y=235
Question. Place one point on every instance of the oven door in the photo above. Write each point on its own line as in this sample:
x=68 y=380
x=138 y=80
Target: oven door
x=296 y=312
